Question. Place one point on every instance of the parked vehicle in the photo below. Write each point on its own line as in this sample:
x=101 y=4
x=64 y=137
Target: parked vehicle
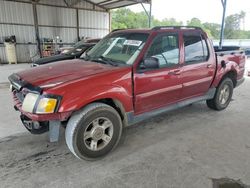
x=247 y=52
x=129 y=76
x=66 y=49
x=227 y=48
x=74 y=52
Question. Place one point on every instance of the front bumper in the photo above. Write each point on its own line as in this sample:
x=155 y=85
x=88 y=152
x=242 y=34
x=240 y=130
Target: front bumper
x=240 y=81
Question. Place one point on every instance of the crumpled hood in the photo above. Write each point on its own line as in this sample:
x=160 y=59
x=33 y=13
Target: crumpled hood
x=61 y=72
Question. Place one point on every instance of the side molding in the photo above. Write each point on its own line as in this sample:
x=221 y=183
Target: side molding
x=133 y=119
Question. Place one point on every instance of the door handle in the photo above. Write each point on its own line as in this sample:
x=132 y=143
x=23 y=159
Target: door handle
x=209 y=65
x=175 y=72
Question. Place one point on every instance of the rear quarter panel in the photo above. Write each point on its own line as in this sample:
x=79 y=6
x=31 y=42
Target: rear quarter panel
x=235 y=61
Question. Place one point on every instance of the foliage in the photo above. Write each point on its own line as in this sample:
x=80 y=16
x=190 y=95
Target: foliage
x=232 y=26
x=125 y=18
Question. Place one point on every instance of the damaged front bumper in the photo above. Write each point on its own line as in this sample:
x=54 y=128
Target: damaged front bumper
x=36 y=123
x=41 y=123
x=40 y=127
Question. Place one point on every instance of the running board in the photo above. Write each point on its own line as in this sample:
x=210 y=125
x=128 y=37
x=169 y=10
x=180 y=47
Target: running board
x=133 y=119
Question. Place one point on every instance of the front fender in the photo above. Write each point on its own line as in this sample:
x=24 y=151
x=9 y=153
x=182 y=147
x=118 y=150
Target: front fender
x=74 y=102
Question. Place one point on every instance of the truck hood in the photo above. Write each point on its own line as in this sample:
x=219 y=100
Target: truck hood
x=62 y=71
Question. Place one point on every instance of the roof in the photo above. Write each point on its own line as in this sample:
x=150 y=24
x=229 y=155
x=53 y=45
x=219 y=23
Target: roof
x=112 y=4
x=158 y=28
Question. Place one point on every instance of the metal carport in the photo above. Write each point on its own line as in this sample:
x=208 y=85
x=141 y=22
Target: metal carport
x=32 y=20
x=112 y=4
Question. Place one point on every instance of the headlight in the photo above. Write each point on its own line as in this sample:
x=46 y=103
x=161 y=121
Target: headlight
x=46 y=105
x=35 y=103
x=29 y=102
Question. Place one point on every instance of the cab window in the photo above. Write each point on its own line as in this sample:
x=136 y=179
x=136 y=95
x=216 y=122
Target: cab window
x=196 y=49
x=166 y=49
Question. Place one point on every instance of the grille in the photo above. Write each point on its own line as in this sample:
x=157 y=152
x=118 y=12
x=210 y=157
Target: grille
x=17 y=101
x=20 y=95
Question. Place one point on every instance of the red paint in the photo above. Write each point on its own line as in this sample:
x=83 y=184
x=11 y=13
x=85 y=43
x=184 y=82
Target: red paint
x=81 y=83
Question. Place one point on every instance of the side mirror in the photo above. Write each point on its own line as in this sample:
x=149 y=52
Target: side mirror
x=151 y=63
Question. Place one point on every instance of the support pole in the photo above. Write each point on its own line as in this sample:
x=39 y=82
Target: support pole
x=110 y=21
x=149 y=14
x=36 y=29
x=77 y=25
x=224 y=5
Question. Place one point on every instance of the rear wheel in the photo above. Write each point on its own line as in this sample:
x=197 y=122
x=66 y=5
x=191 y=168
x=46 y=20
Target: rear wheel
x=94 y=131
x=222 y=96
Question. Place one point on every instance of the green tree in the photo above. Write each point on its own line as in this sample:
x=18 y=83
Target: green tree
x=194 y=22
x=232 y=26
x=169 y=22
x=197 y=23
x=124 y=18
x=214 y=29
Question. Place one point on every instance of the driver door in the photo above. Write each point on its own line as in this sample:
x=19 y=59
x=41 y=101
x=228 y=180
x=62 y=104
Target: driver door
x=162 y=86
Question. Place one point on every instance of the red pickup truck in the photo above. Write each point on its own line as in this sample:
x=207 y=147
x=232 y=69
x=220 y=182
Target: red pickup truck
x=129 y=76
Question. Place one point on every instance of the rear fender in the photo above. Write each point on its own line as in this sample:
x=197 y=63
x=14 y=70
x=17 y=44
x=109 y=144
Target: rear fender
x=223 y=71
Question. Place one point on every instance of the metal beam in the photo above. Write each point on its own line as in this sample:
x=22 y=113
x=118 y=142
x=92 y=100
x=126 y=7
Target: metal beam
x=132 y=3
x=95 y=4
x=36 y=29
x=224 y=5
x=77 y=25
x=149 y=14
x=66 y=3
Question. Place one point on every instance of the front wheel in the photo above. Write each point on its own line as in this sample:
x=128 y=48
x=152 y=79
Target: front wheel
x=222 y=96
x=94 y=131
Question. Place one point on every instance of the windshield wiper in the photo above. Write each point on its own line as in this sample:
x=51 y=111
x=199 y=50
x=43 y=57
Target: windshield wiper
x=113 y=60
x=104 y=60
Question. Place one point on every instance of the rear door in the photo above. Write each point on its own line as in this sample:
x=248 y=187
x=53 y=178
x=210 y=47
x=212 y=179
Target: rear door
x=162 y=86
x=199 y=66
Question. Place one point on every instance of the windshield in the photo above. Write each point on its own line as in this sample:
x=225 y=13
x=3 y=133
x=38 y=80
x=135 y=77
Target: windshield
x=78 y=44
x=75 y=50
x=119 y=48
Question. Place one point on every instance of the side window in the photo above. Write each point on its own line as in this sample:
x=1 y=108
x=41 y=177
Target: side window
x=196 y=49
x=205 y=48
x=166 y=49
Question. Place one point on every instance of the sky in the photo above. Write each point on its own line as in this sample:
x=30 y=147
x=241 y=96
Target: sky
x=205 y=10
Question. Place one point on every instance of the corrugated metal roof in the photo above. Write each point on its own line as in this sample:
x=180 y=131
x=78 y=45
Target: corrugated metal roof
x=112 y=4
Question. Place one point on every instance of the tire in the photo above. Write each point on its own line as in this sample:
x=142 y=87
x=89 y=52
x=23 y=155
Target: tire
x=217 y=103
x=94 y=131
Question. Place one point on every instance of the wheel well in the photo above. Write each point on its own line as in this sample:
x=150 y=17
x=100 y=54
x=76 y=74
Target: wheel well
x=232 y=75
x=117 y=105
